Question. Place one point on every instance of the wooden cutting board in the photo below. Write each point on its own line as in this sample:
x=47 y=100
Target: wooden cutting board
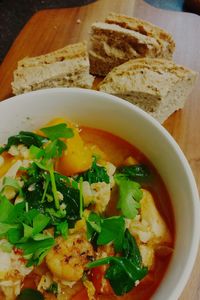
x=51 y=29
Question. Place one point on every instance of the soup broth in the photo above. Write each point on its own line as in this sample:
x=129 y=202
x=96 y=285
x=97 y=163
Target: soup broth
x=81 y=218
x=117 y=150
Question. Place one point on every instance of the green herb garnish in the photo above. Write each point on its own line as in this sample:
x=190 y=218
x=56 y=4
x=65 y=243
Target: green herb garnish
x=24 y=230
x=124 y=271
x=30 y=294
x=61 y=229
x=58 y=131
x=112 y=230
x=26 y=138
x=138 y=172
x=130 y=194
x=106 y=230
x=95 y=174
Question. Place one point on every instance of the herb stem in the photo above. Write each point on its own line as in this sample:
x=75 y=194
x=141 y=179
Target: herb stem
x=109 y=260
x=81 y=197
x=54 y=189
x=26 y=206
x=45 y=190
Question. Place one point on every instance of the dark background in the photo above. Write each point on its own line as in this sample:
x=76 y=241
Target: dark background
x=14 y=14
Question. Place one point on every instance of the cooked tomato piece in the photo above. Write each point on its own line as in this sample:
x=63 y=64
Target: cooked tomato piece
x=100 y=283
x=82 y=294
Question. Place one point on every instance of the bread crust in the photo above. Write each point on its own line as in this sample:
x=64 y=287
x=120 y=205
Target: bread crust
x=164 y=38
x=158 y=86
x=78 y=50
x=66 y=67
x=121 y=38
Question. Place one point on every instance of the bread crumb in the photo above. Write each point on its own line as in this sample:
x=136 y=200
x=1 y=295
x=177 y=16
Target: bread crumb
x=78 y=21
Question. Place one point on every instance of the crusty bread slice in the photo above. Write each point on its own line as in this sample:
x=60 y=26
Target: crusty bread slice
x=121 y=38
x=158 y=86
x=66 y=67
x=106 y=42
x=165 y=40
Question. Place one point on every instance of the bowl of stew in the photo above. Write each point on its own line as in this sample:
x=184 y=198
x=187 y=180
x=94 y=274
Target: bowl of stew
x=97 y=201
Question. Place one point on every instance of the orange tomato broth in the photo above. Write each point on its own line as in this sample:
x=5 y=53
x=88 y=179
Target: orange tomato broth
x=116 y=151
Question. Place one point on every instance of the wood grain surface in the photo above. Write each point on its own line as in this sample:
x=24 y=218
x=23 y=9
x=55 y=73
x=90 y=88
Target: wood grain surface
x=51 y=29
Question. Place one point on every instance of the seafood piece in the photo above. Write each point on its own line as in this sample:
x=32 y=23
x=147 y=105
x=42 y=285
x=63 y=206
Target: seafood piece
x=67 y=259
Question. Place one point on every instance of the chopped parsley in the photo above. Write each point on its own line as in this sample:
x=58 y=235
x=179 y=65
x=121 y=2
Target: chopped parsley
x=130 y=194
x=24 y=230
x=106 y=230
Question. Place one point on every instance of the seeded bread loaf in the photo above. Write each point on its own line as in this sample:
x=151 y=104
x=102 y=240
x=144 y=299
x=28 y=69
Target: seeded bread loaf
x=121 y=38
x=158 y=86
x=66 y=67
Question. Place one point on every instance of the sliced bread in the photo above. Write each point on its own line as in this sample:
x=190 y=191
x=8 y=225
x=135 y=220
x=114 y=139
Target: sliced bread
x=66 y=67
x=158 y=86
x=121 y=38
x=163 y=38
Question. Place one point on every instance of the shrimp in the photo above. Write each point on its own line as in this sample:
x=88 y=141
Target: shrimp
x=67 y=259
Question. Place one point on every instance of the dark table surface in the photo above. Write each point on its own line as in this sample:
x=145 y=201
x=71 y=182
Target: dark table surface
x=15 y=13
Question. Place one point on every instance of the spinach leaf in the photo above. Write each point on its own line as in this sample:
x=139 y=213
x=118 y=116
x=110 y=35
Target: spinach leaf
x=124 y=270
x=30 y=294
x=33 y=188
x=138 y=172
x=130 y=249
x=24 y=137
x=130 y=195
x=95 y=174
x=39 y=197
x=71 y=198
x=123 y=274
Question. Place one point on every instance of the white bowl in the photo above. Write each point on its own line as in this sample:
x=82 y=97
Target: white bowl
x=95 y=109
